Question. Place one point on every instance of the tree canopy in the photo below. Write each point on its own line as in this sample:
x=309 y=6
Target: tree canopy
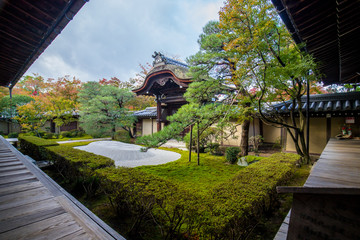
x=102 y=109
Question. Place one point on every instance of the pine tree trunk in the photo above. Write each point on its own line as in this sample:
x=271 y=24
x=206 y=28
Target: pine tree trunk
x=198 y=144
x=113 y=131
x=244 y=144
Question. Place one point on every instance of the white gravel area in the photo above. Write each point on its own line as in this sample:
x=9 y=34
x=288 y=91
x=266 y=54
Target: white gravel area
x=129 y=155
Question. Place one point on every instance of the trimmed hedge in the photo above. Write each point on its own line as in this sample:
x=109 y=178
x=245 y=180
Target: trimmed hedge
x=150 y=199
x=78 y=166
x=229 y=211
x=35 y=146
x=72 y=164
x=238 y=203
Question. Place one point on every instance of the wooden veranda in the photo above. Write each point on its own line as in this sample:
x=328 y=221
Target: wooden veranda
x=33 y=206
x=327 y=206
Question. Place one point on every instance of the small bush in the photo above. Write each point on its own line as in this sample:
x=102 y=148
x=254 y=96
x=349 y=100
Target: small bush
x=231 y=154
x=277 y=143
x=78 y=133
x=122 y=136
x=49 y=135
x=40 y=133
x=255 y=142
x=72 y=133
x=214 y=149
x=13 y=135
x=65 y=134
x=205 y=140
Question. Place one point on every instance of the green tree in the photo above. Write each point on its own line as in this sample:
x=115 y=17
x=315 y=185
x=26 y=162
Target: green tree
x=102 y=109
x=267 y=58
x=8 y=105
x=213 y=60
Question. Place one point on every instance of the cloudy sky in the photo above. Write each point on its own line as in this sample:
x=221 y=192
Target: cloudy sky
x=110 y=38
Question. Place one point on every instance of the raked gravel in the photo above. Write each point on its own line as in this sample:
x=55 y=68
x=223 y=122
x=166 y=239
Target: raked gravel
x=129 y=155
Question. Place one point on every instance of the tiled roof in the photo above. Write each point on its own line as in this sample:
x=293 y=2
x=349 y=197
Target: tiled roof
x=149 y=112
x=333 y=102
x=174 y=62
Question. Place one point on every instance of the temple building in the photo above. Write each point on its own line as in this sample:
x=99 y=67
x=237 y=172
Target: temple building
x=167 y=82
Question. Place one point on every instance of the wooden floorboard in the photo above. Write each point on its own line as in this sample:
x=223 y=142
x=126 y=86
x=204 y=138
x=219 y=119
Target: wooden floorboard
x=338 y=166
x=33 y=206
x=16 y=178
x=78 y=235
x=5 y=189
x=12 y=168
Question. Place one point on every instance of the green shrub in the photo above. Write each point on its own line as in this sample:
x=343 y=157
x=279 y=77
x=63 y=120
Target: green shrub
x=78 y=133
x=122 y=136
x=65 y=134
x=72 y=133
x=231 y=154
x=205 y=140
x=34 y=146
x=277 y=143
x=255 y=142
x=40 y=133
x=49 y=135
x=214 y=149
x=13 y=135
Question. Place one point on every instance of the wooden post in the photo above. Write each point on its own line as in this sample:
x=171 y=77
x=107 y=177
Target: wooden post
x=158 y=111
x=198 y=144
x=190 y=143
x=308 y=117
x=10 y=124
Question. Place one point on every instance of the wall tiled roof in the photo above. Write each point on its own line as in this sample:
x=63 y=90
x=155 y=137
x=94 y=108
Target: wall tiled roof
x=149 y=112
x=333 y=102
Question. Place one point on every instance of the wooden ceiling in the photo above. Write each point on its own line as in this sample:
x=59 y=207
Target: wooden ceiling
x=331 y=31
x=27 y=28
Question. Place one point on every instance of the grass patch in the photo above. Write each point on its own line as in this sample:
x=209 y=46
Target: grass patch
x=73 y=138
x=211 y=171
x=77 y=144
